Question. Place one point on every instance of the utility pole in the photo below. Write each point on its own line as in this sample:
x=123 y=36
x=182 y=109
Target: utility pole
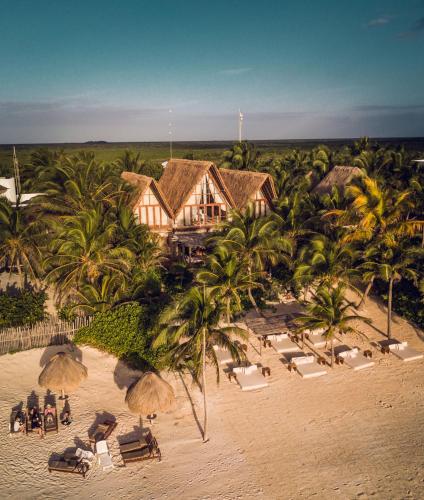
x=16 y=174
x=240 y=125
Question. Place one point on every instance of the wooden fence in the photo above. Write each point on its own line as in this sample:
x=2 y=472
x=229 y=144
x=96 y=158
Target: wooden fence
x=50 y=332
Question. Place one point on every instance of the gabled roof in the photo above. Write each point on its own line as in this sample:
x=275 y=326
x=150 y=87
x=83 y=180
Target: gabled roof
x=243 y=185
x=339 y=176
x=141 y=183
x=180 y=178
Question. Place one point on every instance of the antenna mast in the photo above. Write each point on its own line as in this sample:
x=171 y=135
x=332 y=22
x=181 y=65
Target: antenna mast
x=170 y=133
x=240 y=124
x=16 y=174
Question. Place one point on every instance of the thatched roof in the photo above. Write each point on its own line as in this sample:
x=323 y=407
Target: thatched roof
x=339 y=176
x=141 y=183
x=149 y=395
x=243 y=185
x=62 y=372
x=181 y=176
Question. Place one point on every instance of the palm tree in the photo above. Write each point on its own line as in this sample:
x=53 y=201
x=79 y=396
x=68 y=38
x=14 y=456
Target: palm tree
x=375 y=211
x=255 y=241
x=226 y=279
x=98 y=297
x=329 y=309
x=391 y=260
x=242 y=156
x=191 y=327
x=83 y=250
x=19 y=248
x=325 y=260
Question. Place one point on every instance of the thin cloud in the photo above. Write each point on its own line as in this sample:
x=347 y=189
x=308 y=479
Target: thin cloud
x=235 y=71
x=416 y=29
x=379 y=21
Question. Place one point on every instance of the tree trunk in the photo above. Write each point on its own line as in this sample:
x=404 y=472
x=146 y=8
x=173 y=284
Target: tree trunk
x=20 y=274
x=228 y=311
x=365 y=294
x=332 y=351
x=389 y=309
x=249 y=291
x=205 y=411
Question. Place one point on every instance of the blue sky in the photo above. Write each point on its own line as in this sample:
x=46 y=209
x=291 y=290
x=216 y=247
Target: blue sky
x=111 y=70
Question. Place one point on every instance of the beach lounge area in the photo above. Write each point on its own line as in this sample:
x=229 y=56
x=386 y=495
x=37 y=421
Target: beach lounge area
x=368 y=411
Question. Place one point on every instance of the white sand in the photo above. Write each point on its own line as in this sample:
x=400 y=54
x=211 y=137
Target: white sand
x=346 y=435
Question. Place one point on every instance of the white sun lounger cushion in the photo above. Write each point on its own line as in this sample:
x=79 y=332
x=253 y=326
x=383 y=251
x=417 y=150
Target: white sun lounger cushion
x=307 y=367
x=317 y=339
x=355 y=359
x=249 y=378
x=222 y=355
x=281 y=336
x=317 y=331
x=303 y=360
x=404 y=352
x=351 y=353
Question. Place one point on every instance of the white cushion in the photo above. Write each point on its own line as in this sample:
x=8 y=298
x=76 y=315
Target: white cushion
x=250 y=369
x=351 y=353
x=277 y=338
x=239 y=369
x=101 y=447
x=303 y=360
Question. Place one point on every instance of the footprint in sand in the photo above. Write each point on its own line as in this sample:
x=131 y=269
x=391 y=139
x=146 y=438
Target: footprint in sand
x=383 y=404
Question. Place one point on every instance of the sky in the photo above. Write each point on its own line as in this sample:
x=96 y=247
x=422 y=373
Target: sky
x=74 y=71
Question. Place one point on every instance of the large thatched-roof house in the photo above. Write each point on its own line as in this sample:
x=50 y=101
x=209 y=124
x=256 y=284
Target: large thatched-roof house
x=339 y=177
x=194 y=196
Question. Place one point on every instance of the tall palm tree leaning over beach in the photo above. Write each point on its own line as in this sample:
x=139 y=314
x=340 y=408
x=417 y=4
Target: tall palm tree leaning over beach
x=191 y=328
x=329 y=309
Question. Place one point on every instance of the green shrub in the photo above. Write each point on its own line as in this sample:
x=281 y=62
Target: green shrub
x=407 y=300
x=24 y=307
x=123 y=332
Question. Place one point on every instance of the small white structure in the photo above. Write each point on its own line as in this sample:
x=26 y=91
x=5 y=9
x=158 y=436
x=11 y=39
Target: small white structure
x=8 y=190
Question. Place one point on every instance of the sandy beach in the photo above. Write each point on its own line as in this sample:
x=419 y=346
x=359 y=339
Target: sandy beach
x=345 y=435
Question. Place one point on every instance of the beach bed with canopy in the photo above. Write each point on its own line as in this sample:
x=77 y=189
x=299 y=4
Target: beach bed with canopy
x=250 y=377
x=307 y=366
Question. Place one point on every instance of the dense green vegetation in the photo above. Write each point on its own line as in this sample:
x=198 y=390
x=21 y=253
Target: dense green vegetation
x=22 y=307
x=81 y=238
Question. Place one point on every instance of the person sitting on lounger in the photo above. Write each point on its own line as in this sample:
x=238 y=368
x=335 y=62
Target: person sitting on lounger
x=35 y=419
x=18 y=424
x=49 y=413
x=66 y=420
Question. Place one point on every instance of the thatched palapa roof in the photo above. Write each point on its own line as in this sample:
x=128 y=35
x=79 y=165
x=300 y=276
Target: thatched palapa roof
x=141 y=183
x=181 y=176
x=243 y=185
x=339 y=176
x=62 y=373
x=149 y=395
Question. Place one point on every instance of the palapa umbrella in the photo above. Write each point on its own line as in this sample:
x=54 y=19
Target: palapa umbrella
x=149 y=395
x=62 y=373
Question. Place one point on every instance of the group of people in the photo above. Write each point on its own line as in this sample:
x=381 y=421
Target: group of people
x=35 y=419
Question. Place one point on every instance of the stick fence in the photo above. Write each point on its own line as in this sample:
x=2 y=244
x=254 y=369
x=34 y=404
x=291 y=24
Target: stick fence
x=49 y=332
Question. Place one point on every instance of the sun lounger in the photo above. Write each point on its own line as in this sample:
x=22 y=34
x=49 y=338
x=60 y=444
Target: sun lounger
x=307 y=366
x=404 y=352
x=354 y=359
x=51 y=420
x=142 y=449
x=103 y=456
x=249 y=378
x=282 y=343
x=316 y=337
x=222 y=355
x=28 y=423
x=71 y=466
x=102 y=431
